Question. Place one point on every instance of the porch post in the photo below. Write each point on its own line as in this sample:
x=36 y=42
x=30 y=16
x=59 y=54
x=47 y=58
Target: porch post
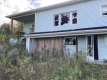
x=77 y=46
x=28 y=44
x=11 y=24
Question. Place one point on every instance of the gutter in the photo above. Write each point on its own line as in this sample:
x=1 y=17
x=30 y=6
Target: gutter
x=68 y=33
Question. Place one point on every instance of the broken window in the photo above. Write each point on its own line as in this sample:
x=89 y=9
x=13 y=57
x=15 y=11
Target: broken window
x=65 y=18
x=104 y=10
x=74 y=17
x=70 y=41
x=56 y=19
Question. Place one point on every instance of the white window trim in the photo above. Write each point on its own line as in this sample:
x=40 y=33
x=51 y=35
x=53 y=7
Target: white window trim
x=54 y=19
x=72 y=17
x=69 y=37
x=101 y=10
x=69 y=20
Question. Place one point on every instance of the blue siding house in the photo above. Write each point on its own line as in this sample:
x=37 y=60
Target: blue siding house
x=77 y=25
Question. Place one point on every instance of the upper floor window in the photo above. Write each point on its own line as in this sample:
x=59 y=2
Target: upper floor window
x=66 y=18
x=74 y=17
x=104 y=10
x=56 y=20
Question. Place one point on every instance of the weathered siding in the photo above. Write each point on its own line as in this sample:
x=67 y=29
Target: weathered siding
x=89 y=15
x=82 y=43
x=49 y=43
x=102 y=48
x=27 y=26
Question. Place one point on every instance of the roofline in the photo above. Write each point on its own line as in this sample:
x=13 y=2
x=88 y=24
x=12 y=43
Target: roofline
x=68 y=33
x=47 y=8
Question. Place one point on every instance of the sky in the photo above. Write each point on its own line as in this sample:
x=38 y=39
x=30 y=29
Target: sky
x=9 y=6
x=50 y=2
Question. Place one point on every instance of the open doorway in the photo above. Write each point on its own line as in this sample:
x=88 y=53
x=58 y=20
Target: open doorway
x=92 y=47
x=95 y=47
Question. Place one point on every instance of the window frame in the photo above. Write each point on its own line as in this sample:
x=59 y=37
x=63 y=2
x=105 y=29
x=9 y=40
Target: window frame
x=74 y=17
x=73 y=37
x=70 y=18
x=102 y=10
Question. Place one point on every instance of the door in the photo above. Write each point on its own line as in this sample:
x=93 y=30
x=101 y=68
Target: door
x=90 y=48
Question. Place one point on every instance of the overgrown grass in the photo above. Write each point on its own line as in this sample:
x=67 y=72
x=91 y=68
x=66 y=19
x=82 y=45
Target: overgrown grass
x=17 y=64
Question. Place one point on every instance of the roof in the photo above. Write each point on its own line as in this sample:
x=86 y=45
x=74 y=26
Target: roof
x=71 y=2
x=83 y=31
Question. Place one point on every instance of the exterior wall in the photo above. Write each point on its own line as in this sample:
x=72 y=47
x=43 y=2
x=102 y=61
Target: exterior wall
x=82 y=44
x=49 y=43
x=27 y=26
x=89 y=15
x=102 y=47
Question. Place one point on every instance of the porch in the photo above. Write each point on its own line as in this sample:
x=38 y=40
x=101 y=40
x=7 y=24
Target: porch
x=83 y=39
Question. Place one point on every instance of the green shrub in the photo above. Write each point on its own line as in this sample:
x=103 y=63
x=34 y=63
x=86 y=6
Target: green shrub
x=16 y=63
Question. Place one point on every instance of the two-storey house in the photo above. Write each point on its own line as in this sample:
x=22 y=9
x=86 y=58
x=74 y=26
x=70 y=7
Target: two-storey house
x=79 y=25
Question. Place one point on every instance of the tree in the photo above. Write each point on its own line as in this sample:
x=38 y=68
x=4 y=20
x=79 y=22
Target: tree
x=5 y=29
x=5 y=32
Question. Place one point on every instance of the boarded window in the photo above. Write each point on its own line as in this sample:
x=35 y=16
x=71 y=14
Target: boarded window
x=70 y=41
x=65 y=17
x=56 y=20
x=74 y=17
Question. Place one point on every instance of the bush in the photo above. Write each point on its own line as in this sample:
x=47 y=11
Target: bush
x=16 y=63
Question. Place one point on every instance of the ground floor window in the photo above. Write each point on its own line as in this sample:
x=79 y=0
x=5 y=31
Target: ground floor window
x=70 y=41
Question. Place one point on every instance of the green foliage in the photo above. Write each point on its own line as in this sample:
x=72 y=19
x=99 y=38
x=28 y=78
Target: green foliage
x=4 y=32
x=2 y=38
x=5 y=29
x=16 y=63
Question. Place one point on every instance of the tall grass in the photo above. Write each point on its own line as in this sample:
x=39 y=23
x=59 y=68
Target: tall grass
x=17 y=64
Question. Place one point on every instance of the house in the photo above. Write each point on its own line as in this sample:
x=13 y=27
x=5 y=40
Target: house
x=80 y=25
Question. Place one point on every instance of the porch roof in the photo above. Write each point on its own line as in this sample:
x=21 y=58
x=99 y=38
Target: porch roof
x=23 y=16
x=72 y=32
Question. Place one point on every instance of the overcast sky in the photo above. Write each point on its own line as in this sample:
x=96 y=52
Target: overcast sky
x=50 y=2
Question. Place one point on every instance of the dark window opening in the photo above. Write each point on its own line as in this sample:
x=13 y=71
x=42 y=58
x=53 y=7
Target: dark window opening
x=74 y=14
x=56 y=17
x=70 y=41
x=74 y=21
x=105 y=13
x=56 y=23
x=74 y=17
x=65 y=18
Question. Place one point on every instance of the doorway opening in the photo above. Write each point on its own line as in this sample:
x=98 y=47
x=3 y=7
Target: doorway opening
x=92 y=45
x=95 y=47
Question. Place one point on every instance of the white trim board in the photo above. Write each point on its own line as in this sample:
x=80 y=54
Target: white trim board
x=68 y=33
